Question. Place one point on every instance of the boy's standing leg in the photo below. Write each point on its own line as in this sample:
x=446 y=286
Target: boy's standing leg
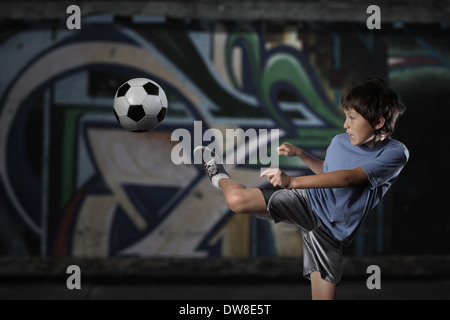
x=322 y=289
x=240 y=199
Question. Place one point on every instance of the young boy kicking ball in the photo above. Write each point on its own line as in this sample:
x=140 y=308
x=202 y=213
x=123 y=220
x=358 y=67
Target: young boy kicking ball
x=329 y=206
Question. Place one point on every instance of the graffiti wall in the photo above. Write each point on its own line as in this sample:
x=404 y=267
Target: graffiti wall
x=75 y=183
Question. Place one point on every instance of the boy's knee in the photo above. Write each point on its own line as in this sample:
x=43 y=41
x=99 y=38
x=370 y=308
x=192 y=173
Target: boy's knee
x=236 y=201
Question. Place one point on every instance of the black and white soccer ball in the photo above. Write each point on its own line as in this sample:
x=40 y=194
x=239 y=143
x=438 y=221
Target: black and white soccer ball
x=140 y=105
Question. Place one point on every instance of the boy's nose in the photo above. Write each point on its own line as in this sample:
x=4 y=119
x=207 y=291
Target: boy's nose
x=345 y=125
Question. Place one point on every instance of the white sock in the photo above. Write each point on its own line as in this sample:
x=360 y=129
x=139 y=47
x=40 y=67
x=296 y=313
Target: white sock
x=215 y=179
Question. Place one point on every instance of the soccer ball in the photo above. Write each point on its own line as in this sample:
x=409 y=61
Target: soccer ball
x=140 y=105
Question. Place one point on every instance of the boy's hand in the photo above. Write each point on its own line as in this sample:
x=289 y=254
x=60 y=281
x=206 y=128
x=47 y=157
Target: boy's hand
x=288 y=150
x=277 y=178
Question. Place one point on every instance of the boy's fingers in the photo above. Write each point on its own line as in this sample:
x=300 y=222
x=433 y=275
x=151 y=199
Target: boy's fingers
x=263 y=173
x=269 y=171
x=280 y=149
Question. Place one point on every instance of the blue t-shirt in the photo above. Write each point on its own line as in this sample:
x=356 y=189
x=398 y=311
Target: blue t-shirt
x=341 y=210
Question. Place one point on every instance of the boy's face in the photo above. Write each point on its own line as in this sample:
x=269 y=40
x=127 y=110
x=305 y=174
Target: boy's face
x=359 y=129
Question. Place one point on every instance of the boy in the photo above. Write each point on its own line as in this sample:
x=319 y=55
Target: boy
x=330 y=205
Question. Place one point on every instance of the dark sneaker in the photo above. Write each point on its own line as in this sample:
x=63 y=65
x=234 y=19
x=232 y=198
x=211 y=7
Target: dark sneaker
x=212 y=165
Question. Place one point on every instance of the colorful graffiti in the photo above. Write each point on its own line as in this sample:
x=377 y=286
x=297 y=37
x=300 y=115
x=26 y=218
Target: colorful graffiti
x=80 y=185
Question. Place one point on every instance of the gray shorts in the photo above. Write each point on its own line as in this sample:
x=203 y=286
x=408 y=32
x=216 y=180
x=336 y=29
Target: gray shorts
x=321 y=252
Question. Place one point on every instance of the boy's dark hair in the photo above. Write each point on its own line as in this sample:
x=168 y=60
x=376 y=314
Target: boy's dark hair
x=373 y=99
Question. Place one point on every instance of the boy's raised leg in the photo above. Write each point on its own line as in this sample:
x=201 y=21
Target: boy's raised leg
x=239 y=198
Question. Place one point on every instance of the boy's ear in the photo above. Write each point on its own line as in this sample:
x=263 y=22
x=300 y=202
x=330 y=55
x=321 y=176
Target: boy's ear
x=379 y=123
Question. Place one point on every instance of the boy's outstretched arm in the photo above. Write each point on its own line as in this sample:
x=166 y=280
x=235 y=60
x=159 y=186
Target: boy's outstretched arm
x=335 y=179
x=313 y=163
